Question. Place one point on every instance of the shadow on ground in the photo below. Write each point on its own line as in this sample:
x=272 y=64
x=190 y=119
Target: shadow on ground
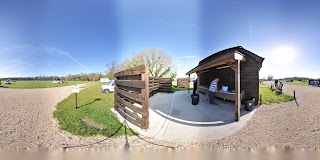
x=180 y=110
x=97 y=99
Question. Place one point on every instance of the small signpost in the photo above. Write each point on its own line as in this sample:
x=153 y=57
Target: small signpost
x=75 y=89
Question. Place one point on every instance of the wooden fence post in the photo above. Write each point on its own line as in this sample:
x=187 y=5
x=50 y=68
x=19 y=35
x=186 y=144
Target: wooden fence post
x=294 y=94
x=75 y=101
x=189 y=84
x=145 y=104
x=260 y=99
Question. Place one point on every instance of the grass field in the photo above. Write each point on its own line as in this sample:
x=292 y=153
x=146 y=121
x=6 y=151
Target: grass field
x=93 y=105
x=175 y=88
x=297 y=83
x=38 y=84
x=270 y=96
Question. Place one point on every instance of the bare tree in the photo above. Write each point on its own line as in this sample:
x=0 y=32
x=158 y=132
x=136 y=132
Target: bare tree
x=158 y=62
x=112 y=68
x=173 y=75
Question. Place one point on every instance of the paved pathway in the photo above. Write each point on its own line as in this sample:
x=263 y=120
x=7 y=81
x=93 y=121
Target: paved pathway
x=173 y=118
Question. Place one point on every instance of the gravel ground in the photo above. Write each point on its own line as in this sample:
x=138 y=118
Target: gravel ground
x=26 y=121
x=289 y=124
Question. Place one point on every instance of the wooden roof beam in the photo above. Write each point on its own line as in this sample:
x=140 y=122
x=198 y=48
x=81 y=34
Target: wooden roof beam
x=232 y=66
x=223 y=59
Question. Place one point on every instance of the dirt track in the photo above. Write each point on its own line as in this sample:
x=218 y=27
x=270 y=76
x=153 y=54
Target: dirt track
x=26 y=121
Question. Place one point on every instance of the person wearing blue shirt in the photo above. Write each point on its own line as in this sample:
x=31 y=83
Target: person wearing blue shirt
x=212 y=89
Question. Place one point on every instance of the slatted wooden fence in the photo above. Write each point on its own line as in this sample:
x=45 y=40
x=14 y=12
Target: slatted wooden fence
x=153 y=85
x=159 y=85
x=182 y=82
x=165 y=85
x=132 y=91
x=131 y=97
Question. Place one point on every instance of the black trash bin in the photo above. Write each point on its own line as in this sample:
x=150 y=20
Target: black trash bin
x=249 y=103
x=195 y=99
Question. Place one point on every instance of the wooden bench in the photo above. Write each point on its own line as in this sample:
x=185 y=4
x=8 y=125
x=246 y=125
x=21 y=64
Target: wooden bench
x=223 y=95
x=203 y=89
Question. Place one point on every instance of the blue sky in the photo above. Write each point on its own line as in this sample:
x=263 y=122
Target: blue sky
x=66 y=37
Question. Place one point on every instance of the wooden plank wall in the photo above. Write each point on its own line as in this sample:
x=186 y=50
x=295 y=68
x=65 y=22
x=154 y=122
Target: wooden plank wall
x=165 y=85
x=131 y=96
x=159 y=85
x=182 y=82
x=249 y=72
x=153 y=85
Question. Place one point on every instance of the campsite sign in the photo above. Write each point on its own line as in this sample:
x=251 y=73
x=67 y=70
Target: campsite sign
x=75 y=89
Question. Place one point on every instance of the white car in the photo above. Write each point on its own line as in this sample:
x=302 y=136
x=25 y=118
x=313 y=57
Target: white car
x=56 y=81
x=8 y=81
x=104 y=80
x=108 y=87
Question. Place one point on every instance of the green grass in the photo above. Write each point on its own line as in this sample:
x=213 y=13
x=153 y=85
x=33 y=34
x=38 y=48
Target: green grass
x=38 y=84
x=175 y=88
x=262 y=85
x=270 y=96
x=94 y=105
x=300 y=83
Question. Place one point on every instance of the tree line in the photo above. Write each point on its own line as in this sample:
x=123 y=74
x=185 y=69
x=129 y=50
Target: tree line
x=158 y=61
x=70 y=77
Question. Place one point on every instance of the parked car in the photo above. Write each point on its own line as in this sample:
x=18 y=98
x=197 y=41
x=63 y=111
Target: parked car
x=104 y=80
x=8 y=81
x=56 y=81
x=108 y=88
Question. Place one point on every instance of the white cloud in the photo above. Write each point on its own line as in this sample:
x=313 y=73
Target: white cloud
x=184 y=57
x=28 y=60
x=66 y=54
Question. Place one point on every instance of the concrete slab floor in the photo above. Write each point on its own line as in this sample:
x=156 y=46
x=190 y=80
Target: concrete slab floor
x=174 y=118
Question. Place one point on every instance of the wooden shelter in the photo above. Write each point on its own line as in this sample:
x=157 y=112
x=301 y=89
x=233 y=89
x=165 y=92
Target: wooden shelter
x=236 y=68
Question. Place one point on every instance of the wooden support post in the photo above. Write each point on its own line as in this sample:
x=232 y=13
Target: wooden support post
x=75 y=101
x=145 y=104
x=294 y=94
x=189 y=84
x=260 y=99
x=237 y=91
x=198 y=82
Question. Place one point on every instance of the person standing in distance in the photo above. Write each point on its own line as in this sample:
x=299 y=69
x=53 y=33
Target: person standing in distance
x=195 y=85
x=212 y=89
